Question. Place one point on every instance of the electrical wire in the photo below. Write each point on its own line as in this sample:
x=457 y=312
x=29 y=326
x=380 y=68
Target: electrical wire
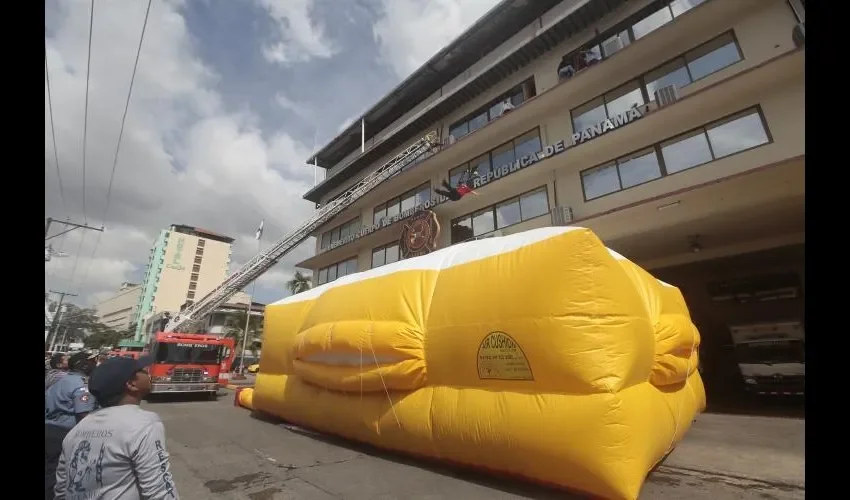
x=53 y=131
x=86 y=115
x=118 y=145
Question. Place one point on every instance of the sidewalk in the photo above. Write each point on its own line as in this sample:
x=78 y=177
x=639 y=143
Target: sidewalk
x=763 y=448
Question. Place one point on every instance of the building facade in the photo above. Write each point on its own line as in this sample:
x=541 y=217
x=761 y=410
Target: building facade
x=185 y=263
x=119 y=311
x=674 y=130
x=221 y=321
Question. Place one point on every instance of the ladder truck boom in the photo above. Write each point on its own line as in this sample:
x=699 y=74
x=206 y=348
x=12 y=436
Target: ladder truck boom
x=264 y=261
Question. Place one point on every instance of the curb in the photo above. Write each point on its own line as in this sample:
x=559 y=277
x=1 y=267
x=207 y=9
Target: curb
x=234 y=387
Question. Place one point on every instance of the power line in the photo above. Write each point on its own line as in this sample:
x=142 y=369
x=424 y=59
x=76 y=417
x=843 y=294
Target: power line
x=86 y=116
x=53 y=131
x=120 y=137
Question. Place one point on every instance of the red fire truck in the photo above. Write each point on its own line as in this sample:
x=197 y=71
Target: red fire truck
x=188 y=362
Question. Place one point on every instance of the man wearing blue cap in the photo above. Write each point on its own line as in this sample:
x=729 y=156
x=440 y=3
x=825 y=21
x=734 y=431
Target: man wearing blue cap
x=66 y=402
x=117 y=452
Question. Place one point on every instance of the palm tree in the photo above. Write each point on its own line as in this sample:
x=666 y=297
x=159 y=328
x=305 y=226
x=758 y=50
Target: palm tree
x=299 y=283
x=235 y=327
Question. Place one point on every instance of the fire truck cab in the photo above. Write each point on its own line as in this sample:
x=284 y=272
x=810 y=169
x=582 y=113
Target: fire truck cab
x=188 y=362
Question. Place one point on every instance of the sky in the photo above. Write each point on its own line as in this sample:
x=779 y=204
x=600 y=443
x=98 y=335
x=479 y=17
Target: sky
x=229 y=100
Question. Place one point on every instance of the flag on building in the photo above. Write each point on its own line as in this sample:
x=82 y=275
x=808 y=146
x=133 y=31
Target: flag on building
x=259 y=233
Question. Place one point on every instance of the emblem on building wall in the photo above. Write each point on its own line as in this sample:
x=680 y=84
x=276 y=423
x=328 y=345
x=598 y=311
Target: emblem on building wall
x=419 y=235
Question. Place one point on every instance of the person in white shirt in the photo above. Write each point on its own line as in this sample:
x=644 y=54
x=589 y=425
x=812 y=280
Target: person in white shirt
x=118 y=451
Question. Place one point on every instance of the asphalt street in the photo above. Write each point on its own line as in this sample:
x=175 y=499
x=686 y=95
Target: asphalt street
x=221 y=452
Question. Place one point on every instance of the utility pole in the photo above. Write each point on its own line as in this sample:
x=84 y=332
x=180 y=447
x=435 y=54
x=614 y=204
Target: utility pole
x=51 y=339
x=72 y=225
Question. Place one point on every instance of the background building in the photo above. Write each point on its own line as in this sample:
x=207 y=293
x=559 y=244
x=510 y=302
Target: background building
x=185 y=263
x=673 y=129
x=119 y=311
x=230 y=315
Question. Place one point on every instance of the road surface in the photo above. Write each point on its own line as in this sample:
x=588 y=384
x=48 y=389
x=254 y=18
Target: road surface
x=220 y=452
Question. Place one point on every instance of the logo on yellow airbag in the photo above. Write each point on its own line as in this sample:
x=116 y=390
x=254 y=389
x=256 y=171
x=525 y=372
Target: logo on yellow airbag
x=501 y=358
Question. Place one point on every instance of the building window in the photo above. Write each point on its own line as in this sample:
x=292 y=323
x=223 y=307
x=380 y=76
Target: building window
x=501 y=215
x=601 y=180
x=194 y=277
x=492 y=110
x=713 y=56
x=193 y=285
x=686 y=151
x=202 y=243
x=638 y=168
x=340 y=232
x=190 y=294
x=338 y=270
x=199 y=251
x=385 y=255
x=505 y=154
x=736 y=133
x=679 y=7
x=691 y=66
x=461 y=229
x=196 y=268
x=406 y=201
x=621 y=36
x=475 y=168
x=652 y=22
x=198 y=259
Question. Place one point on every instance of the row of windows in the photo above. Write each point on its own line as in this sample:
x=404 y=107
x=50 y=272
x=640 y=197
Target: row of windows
x=739 y=132
x=494 y=109
x=501 y=215
x=621 y=36
x=406 y=201
x=338 y=270
x=339 y=233
x=695 y=64
x=504 y=154
x=193 y=278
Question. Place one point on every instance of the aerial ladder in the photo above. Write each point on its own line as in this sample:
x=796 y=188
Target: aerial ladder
x=264 y=261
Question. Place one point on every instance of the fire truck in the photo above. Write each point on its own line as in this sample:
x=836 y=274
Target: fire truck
x=188 y=362
x=128 y=349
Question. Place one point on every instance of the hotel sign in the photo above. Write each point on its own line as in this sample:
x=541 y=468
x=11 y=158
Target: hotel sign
x=505 y=170
x=178 y=255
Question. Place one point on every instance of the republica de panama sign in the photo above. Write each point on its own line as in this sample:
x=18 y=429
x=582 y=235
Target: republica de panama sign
x=610 y=124
x=502 y=171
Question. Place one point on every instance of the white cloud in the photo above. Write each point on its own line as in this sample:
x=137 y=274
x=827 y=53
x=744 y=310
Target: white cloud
x=409 y=32
x=300 y=37
x=300 y=109
x=184 y=158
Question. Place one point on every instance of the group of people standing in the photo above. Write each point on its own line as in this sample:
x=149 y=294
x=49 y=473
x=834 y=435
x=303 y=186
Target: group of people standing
x=98 y=442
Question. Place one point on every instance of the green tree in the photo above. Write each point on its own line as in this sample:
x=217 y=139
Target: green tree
x=107 y=338
x=299 y=283
x=235 y=326
x=77 y=324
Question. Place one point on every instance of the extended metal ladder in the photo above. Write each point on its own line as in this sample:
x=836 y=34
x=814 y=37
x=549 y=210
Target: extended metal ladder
x=255 y=267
